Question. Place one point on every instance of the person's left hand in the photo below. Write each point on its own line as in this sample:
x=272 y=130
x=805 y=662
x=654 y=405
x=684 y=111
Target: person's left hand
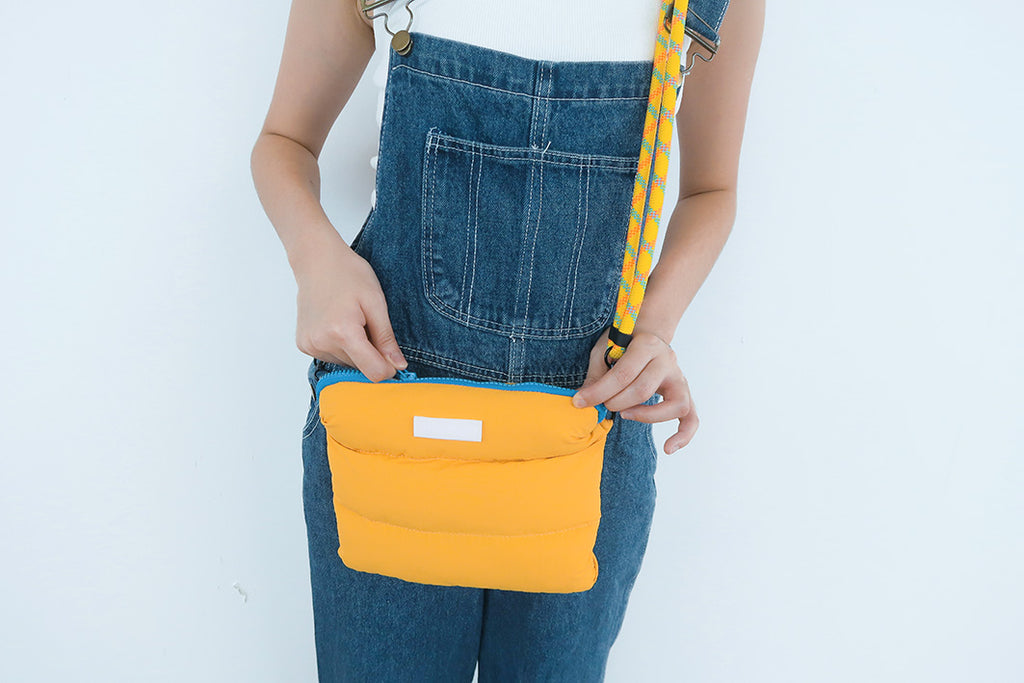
x=648 y=365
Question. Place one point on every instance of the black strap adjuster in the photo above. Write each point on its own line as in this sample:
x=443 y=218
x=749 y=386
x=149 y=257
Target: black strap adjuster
x=618 y=337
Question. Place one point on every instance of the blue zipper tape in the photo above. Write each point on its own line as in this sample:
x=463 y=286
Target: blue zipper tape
x=403 y=376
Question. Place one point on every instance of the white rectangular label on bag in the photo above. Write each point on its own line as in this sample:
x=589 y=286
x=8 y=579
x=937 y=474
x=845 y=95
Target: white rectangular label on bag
x=454 y=428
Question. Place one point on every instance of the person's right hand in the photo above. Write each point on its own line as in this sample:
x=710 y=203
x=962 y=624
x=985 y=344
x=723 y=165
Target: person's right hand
x=343 y=315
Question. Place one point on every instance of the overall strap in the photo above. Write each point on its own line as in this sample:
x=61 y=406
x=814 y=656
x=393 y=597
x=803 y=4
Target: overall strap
x=657 y=142
x=703 y=22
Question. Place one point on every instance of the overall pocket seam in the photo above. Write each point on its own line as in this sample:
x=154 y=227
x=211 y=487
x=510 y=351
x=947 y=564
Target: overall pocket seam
x=476 y=152
x=583 y=205
x=531 y=155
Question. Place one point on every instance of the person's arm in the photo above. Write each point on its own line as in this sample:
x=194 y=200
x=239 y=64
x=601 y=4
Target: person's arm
x=327 y=45
x=709 y=125
x=326 y=49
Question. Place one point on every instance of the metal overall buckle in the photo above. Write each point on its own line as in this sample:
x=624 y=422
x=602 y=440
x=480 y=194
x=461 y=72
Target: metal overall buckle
x=701 y=41
x=401 y=41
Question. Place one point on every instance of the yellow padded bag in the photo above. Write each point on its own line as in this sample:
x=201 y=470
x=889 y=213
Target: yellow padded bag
x=461 y=482
x=457 y=482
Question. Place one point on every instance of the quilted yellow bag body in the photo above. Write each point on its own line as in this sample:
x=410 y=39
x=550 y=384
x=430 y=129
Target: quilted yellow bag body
x=458 y=482
x=465 y=483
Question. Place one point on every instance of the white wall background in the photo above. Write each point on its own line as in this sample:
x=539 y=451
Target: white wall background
x=850 y=509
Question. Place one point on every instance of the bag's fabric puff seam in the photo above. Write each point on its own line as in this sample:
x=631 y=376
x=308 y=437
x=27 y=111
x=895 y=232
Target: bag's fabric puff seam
x=596 y=521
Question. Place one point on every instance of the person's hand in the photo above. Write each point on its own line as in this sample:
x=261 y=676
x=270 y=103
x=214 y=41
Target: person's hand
x=342 y=314
x=648 y=365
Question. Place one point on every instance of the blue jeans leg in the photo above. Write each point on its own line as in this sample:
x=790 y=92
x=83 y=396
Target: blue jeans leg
x=567 y=637
x=369 y=627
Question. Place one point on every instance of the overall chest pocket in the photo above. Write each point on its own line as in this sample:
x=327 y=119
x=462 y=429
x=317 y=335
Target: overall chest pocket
x=523 y=240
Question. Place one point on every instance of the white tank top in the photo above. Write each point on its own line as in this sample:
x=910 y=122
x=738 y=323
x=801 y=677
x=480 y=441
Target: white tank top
x=567 y=30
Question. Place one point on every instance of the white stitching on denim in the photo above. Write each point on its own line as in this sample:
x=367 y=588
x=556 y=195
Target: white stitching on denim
x=469 y=211
x=518 y=94
x=628 y=163
x=476 y=233
x=312 y=417
x=522 y=250
x=650 y=437
x=572 y=164
x=430 y=246
x=583 y=235
x=425 y=214
x=444 y=362
x=434 y=140
x=426 y=220
x=423 y=353
x=540 y=200
x=537 y=136
x=721 y=15
x=541 y=332
x=547 y=107
x=537 y=332
x=510 y=153
x=575 y=248
x=515 y=368
x=533 y=114
x=533 y=246
x=510 y=359
x=701 y=19
x=521 y=363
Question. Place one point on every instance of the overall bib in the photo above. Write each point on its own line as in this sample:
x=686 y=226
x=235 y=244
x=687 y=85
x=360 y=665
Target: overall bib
x=503 y=193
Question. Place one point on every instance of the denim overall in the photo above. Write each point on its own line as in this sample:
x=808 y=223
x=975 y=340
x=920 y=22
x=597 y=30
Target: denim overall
x=503 y=199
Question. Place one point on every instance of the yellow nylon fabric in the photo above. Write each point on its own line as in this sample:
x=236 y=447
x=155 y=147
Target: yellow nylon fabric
x=657 y=141
x=518 y=509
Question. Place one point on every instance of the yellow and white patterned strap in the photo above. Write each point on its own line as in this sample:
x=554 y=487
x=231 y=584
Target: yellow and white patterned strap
x=657 y=141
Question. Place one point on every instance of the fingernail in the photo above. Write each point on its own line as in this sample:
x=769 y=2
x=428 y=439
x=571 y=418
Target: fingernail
x=398 y=361
x=578 y=401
